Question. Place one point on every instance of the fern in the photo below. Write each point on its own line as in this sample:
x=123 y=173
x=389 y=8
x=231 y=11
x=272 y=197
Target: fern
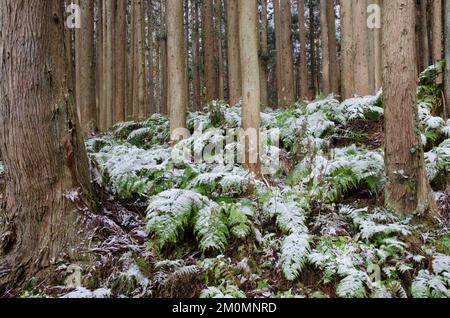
x=438 y=160
x=372 y=225
x=123 y=130
x=294 y=254
x=140 y=137
x=290 y=218
x=130 y=170
x=427 y=285
x=239 y=219
x=353 y=286
x=230 y=291
x=211 y=228
x=170 y=213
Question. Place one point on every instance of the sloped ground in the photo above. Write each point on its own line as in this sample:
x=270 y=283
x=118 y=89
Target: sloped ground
x=315 y=227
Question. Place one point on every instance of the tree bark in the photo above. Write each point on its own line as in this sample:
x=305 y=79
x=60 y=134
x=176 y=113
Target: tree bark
x=378 y=57
x=285 y=62
x=176 y=69
x=312 y=44
x=41 y=145
x=211 y=74
x=332 y=45
x=303 y=62
x=407 y=188
x=85 y=68
x=219 y=48
x=196 y=58
x=248 y=39
x=347 y=50
x=360 y=38
x=163 y=59
x=326 y=79
x=447 y=55
x=437 y=34
x=234 y=62
x=425 y=33
x=264 y=54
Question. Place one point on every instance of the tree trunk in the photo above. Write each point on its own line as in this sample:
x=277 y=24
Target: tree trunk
x=109 y=63
x=447 y=55
x=437 y=34
x=407 y=188
x=347 y=50
x=248 y=39
x=41 y=146
x=219 y=48
x=285 y=62
x=196 y=58
x=360 y=38
x=151 y=104
x=326 y=79
x=163 y=59
x=312 y=44
x=332 y=45
x=211 y=74
x=142 y=68
x=234 y=62
x=264 y=54
x=425 y=33
x=85 y=68
x=303 y=62
x=176 y=69
x=377 y=54
x=120 y=59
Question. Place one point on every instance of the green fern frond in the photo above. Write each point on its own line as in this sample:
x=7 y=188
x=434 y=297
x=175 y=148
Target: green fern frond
x=353 y=286
x=211 y=228
x=294 y=254
x=169 y=214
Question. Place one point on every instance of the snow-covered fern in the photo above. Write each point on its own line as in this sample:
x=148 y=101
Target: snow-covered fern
x=290 y=216
x=169 y=214
x=230 y=291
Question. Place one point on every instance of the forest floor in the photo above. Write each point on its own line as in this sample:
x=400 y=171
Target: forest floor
x=316 y=226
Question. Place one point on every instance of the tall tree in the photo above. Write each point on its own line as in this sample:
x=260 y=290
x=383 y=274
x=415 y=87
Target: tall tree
x=234 y=63
x=361 y=45
x=407 y=188
x=85 y=68
x=138 y=58
x=314 y=85
x=41 y=145
x=425 y=33
x=218 y=47
x=324 y=33
x=377 y=54
x=248 y=39
x=163 y=58
x=196 y=79
x=447 y=55
x=176 y=69
x=437 y=33
x=303 y=62
x=347 y=50
x=209 y=47
x=264 y=54
x=285 y=62
x=120 y=61
x=332 y=45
